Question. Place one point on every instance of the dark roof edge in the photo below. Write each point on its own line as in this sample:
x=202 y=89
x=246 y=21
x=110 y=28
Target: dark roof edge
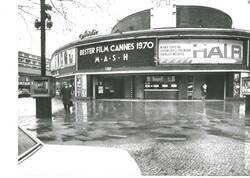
x=207 y=7
x=139 y=12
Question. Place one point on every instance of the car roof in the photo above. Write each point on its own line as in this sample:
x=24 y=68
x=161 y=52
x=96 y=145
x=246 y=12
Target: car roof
x=61 y=160
x=77 y=161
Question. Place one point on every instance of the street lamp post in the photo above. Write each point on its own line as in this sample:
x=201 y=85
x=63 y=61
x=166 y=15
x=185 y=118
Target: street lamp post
x=43 y=37
x=43 y=104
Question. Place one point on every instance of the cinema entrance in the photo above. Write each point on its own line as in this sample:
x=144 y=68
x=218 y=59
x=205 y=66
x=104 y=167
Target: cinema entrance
x=215 y=86
x=110 y=87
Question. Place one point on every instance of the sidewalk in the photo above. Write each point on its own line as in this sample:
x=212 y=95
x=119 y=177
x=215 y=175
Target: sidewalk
x=164 y=137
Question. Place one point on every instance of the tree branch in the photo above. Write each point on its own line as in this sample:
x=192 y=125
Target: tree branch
x=26 y=24
x=62 y=13
x=24 y=11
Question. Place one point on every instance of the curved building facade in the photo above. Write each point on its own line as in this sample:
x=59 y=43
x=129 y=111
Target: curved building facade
x=166 y=63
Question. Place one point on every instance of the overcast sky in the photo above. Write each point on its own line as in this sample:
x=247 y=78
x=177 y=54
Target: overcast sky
x=103 y=19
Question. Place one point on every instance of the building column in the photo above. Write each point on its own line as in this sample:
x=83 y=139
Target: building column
x=139 y=87
x=94 y=88
x=225 y=88
x=247 y=104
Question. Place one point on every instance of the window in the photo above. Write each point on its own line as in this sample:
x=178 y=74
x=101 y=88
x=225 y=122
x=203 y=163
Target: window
x=60 y=62
x=65 y=57
x=52 y=63
x=71 y=56
x=56 y=61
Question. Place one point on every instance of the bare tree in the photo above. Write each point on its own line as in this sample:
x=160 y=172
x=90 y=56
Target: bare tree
x=29 y=10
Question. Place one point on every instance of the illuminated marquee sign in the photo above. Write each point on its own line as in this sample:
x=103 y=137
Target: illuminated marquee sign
x=200 y=51
x=128 y=53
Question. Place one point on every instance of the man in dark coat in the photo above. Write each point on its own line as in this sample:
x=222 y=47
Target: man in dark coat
x=65 y=94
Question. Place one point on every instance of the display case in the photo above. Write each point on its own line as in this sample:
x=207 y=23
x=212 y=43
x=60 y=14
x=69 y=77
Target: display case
x=43 y=87
x=246 y=85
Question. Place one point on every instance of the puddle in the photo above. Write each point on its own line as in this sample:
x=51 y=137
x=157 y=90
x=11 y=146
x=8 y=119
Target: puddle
x=187 y=127
x=171 y=137
x=46 y=138
x=117 y=136
x=218 y=132
x=66 y=138
x=237 y=137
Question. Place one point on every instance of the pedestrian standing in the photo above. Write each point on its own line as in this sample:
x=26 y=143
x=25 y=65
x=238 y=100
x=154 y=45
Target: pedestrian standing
x=203 y=91
x=65 y=94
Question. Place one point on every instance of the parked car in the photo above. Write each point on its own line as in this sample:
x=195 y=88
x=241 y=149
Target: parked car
x=37 y=159
x=23 y=93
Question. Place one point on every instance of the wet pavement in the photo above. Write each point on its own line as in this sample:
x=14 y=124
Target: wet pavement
x=164 y=137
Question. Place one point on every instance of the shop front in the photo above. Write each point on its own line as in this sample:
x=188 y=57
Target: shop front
x=219 y=86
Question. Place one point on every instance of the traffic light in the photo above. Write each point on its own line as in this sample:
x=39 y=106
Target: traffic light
x=37 y=24
x=49 y=24
x=44 y=16
x=47 y=7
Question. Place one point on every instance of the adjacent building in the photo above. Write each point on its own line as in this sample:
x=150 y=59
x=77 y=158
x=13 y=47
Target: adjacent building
x=139 y=60
x=29 y=66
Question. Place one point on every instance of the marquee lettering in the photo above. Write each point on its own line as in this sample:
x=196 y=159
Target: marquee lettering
x=117 y=48
x=131 y=52
x=236 y=50
x=113 y=58
x=217 y=52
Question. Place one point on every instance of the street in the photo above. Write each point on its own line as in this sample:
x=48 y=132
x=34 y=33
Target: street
x=180 y=138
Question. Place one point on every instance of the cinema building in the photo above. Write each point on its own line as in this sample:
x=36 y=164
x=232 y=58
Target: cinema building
x=137 y=61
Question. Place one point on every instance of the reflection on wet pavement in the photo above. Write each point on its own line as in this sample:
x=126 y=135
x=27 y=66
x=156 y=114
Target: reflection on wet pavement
x=147 y=129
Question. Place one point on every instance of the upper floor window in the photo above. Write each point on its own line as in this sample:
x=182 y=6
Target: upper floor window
x=63 y=59
x=60 y=60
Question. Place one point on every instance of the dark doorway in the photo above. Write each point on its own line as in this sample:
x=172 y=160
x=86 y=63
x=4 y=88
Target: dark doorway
x=215 y=87
x=110 y=87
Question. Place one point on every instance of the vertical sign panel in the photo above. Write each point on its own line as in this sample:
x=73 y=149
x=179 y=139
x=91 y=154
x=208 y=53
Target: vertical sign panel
x=81 y=85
